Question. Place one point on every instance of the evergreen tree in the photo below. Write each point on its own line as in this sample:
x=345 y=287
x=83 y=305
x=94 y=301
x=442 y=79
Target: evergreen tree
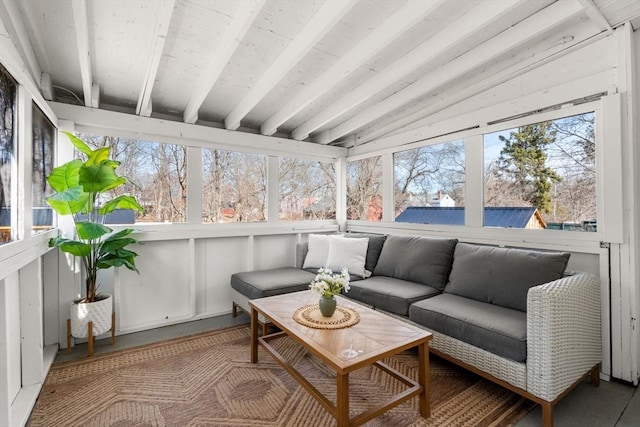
x=524 y=160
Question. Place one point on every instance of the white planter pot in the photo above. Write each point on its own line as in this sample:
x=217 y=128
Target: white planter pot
x=98 y=312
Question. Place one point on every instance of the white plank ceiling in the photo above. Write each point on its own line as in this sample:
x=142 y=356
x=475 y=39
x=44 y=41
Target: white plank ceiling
x=328 y=71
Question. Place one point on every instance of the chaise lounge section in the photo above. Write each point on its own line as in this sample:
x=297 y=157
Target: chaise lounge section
x=513 y=316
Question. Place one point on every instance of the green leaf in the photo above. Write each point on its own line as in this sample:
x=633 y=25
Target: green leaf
x=71 y=246
x=90 y=230
x=65 y=176
x=69 y=202
x=121 y=202
x=98 y=156
x=79 y=144
x=112 y=246
x=115 y=261
x=98 y=178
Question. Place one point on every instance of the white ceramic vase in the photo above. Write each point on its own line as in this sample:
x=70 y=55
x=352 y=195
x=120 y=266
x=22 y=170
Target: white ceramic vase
x=98 y=312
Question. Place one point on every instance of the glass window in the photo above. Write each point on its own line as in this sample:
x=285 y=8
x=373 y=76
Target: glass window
x=429 y=184
x=8 y=109
x=159 y=171
x=542 y=176
x=307 y=190
x=44 y=134
x=364 y=189
x=234 y=186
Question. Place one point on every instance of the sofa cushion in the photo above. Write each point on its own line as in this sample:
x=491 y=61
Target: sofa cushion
x=376 y=242
x=417 y=259
x=265 y=283
x=349 y=254
x=499 y=330
x=318 y=250
x=502 y=276
x=389 y=294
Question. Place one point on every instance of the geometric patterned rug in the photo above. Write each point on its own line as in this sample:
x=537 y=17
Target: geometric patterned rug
x=208 y=380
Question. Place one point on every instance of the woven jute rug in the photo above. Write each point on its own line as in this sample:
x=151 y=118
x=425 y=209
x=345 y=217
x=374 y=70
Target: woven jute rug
x=208 y=380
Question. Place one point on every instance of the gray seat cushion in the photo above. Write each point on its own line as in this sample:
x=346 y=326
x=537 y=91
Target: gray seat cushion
x=502 y=276
x=265 y=283
x=389 y=294
x=416 y=259
x=499 y=330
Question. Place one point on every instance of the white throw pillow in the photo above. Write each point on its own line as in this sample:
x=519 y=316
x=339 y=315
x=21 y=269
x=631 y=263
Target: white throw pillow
x=318 y=250
x=349 y=253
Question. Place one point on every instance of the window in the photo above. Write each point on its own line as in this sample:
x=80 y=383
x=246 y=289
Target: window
x=542 y=175
x=159 y=172
x=8 y=109
x=234 y=186
x=364 y=189
x=429 y=184
x=307 y=190
x=43 y=136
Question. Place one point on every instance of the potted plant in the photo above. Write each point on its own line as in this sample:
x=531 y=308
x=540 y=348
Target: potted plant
x=82 y=189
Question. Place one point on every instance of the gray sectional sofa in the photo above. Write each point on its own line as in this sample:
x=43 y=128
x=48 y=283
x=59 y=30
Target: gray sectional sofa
x=513 y=316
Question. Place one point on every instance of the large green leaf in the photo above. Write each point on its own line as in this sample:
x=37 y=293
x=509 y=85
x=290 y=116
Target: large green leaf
x=71 y=246
x=88 y=230
x=65 y=176
x=79 y=144
x=98 y=156
x=70 y=201
x=112 y=246
x=98 y=178
x=121 y=202
x=115 y=261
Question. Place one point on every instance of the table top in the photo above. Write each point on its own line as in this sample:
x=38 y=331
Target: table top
x=375 y=337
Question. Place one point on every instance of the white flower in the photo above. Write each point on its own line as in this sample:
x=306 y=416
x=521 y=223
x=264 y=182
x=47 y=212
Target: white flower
x=327 y=283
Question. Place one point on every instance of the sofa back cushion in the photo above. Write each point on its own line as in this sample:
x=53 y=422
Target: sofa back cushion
x=416 y=259
x=502 y=276
x=376 y=241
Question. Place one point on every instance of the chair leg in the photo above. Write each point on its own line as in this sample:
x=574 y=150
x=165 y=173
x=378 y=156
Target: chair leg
x=68 y=336
x=234 y=310
x=113 y=328
x=595 y=376
x=547 y=414
x=90 y=339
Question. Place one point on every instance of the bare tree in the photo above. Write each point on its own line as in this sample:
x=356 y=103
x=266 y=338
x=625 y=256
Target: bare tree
x=364 y=189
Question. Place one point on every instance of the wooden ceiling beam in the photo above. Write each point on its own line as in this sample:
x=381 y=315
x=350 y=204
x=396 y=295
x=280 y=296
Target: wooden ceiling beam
x=526 y=30
x=14 y=25
x=397 y=24
x=246 y=14
x=319 y=25
x=81 y=25
x=163 y=20
x=466 y=26
x=595 y=15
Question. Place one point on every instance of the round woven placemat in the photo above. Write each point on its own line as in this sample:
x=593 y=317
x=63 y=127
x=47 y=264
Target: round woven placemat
x=309 y=315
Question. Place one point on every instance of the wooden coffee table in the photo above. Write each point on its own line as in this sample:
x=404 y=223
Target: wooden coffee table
x=375 y=337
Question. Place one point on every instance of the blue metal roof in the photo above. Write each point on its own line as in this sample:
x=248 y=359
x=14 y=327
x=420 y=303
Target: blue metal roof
x=510 y=217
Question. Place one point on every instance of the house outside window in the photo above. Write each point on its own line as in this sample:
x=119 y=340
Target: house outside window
x=8 y=127
x=542 y=175
x=44 y=135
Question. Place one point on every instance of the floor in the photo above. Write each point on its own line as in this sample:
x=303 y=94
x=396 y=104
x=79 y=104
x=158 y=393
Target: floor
x=611 y=404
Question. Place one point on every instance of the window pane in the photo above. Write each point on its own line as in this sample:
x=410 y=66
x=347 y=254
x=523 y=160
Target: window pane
x=160 y=171
x=364 y=189
x=44 y=134
x=307 y=190
x=429 y=184
x=234 y=186
x=542 y=175
x=8 y=94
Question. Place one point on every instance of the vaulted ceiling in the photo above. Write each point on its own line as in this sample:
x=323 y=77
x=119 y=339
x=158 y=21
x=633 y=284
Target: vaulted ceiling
x=340 y=72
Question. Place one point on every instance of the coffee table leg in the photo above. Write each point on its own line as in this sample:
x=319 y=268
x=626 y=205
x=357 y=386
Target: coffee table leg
x=423 y=379
x=342 y=400
x=254 y=335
